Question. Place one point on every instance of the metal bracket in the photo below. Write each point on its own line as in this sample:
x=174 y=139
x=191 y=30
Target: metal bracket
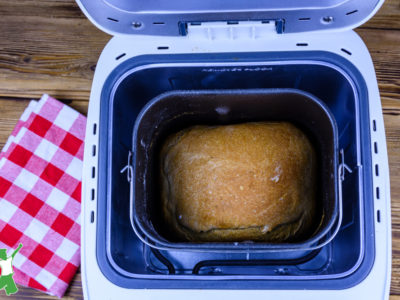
x=128 y=168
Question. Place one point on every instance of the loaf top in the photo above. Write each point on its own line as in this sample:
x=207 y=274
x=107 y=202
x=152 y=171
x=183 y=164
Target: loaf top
x=238 y=182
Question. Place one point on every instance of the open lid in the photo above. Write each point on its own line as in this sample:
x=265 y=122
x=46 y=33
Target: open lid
x=170 y=18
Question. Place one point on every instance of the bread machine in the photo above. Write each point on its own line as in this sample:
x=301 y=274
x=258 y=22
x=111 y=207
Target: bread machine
x=162 y=46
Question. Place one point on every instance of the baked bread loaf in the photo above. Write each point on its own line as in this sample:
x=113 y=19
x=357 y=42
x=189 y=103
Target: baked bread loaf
x=250 y=181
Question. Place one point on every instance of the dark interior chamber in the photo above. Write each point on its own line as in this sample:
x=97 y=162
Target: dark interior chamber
x=173 y=111
x=126 y=261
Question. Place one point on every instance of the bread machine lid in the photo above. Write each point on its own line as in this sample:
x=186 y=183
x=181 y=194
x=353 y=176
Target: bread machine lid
x=171 y=18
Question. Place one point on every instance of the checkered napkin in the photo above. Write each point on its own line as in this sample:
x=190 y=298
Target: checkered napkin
x=40 y=187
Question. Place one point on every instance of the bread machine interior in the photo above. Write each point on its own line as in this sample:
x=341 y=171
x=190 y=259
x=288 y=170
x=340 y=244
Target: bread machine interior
x=130 y=91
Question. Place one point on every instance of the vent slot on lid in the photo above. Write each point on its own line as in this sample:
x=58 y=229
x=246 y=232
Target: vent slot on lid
x=120 y=56
x=346 y=51
x=351 y=12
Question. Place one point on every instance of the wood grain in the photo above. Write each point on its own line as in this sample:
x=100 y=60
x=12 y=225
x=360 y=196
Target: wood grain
x=48 y=46
x=43 y=40
x=384 y=46
x=387 y=18
x=391 y=110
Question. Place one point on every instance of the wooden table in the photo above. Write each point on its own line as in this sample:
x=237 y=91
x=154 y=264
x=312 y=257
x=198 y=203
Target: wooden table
x=48 y=46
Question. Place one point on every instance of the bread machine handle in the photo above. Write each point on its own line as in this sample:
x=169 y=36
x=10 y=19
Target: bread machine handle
x=132 y=210
x=129 y=177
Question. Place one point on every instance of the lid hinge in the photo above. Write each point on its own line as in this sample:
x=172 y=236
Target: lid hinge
x=232 y=30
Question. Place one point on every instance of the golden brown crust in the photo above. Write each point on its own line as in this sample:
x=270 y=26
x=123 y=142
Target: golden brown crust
x=251 y=181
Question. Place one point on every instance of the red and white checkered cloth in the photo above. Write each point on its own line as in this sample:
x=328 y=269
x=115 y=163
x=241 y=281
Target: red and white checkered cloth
x=40 y=195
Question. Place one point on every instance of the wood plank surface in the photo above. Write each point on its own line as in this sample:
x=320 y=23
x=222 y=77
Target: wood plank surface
x=48 y=46
x=388 y=17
